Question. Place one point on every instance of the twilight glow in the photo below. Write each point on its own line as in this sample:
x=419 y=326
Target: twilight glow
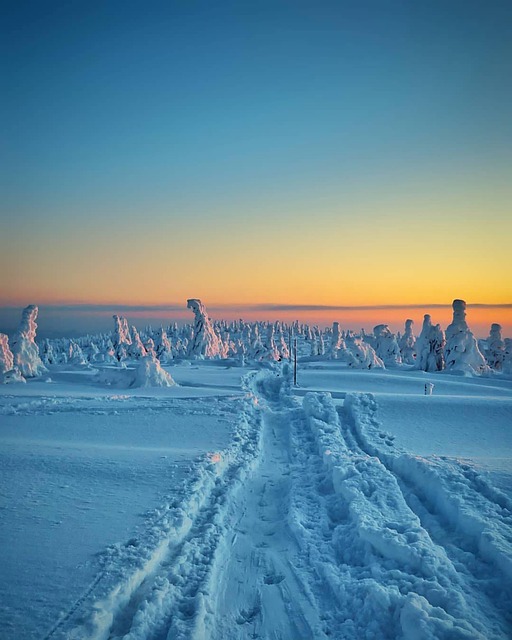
x=301 y=154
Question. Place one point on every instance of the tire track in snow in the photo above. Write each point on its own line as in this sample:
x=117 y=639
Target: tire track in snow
x=423 y=488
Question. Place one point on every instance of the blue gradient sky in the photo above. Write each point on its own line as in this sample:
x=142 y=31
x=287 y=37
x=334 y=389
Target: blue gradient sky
x=262 y=152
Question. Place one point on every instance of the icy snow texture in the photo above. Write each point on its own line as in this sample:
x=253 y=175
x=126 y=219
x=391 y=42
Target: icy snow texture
x=23 y=346
x=205 y=343
x=461 y=352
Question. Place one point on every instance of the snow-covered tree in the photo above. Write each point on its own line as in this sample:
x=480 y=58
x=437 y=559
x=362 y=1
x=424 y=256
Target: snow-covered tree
x=75 y=355
x=205 y=342
x=407 y=344
x=121 y=339
x=136 y=349
x=362 y=354
x=163 y=348
x=506 y=367
x=270 y=344
x=430 y=346
x=386 y=346
x=495 y=352
x=461 y=352
x=23 y=345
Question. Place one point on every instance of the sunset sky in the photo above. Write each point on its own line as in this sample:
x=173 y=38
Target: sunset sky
x=307 y=154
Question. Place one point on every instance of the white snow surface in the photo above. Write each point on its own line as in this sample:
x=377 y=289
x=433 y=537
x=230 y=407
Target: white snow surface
x=235 y=506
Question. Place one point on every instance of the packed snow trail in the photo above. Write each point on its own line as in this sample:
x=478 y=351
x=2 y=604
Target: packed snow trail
x=313 y=525
x=260 y=593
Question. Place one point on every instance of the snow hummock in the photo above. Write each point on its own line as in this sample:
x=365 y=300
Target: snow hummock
x=23 y=345
x=149 y=373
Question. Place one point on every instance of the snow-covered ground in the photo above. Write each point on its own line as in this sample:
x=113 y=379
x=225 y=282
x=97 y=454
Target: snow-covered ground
x=234 y=506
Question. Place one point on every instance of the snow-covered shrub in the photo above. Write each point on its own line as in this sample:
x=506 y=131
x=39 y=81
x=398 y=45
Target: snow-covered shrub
x=461 y=351
x=23 y=345
x=407 y=344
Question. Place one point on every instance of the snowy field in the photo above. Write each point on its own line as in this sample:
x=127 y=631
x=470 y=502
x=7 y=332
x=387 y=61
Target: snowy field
x=234 y=506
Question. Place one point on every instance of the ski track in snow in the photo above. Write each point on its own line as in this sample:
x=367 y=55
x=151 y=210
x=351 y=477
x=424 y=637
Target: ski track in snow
x=312 y=524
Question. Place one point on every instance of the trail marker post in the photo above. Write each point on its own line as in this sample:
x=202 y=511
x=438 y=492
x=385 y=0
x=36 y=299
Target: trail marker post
x=295 y=362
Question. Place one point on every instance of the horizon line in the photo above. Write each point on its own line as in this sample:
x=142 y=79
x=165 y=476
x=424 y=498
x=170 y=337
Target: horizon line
x=173 y=307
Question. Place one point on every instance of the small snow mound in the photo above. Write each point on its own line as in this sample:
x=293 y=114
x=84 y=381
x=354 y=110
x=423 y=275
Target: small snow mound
x=422 y=621
x=149 y=373
x=11 y=376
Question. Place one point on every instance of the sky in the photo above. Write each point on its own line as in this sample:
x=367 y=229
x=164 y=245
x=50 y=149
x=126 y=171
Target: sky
x=271 y=157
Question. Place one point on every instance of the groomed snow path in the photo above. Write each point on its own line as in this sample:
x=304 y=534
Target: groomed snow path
x=314 y=526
